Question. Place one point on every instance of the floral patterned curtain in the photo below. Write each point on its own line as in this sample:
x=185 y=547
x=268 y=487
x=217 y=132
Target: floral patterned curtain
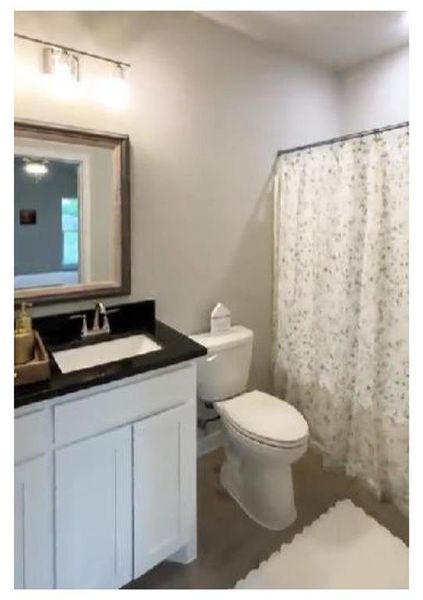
x=340 y=350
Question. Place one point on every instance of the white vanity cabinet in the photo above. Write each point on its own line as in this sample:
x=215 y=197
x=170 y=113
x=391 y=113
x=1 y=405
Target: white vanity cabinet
x=164 y=487
x=108 y=487
x=33 y=525
x=93 y=512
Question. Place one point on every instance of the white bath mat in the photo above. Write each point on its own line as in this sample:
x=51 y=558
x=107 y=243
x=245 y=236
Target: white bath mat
x=343 y=549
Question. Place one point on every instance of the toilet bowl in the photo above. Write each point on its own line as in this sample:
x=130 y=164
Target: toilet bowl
x=263 y=435
x=257 y=469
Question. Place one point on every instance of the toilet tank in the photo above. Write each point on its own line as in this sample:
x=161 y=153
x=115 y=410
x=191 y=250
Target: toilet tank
x=223 y=372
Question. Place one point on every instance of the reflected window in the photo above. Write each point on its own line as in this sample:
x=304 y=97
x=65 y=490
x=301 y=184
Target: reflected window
x=48 y=215
x=70 y=232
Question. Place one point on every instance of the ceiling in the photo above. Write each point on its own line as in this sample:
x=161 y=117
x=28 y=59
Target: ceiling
x=335 y=39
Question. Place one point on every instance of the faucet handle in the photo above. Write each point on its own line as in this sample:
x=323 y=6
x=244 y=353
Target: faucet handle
x=84 y=330
x=106 y=324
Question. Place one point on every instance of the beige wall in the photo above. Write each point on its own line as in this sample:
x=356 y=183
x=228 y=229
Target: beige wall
x=375 y=93
x=208 y=110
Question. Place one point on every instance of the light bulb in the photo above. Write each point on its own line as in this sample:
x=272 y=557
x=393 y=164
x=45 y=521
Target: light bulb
x=63 y=69
x=114 y=89
x=61 y=64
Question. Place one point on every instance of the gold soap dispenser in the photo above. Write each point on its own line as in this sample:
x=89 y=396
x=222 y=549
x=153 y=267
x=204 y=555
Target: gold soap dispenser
x=24 y=336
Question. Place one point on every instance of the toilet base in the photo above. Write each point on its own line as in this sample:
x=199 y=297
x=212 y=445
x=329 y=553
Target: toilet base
x=228 y=484
x=259 y=479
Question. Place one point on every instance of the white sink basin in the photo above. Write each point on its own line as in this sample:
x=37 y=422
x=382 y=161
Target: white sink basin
x=85 y=357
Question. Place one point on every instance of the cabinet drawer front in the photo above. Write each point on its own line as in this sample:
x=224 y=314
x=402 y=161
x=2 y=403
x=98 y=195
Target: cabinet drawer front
x=123 y=404
x=32 y=435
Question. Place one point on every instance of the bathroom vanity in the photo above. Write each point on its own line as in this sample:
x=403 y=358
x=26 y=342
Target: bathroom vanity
x=105 y=459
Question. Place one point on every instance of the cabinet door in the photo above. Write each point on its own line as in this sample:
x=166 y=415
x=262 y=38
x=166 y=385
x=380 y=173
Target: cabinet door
x=34 y=524
x=94 y=512
x=164 y=485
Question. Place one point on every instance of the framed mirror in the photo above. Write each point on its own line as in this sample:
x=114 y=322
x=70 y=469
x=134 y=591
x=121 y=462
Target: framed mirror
x=72 y=220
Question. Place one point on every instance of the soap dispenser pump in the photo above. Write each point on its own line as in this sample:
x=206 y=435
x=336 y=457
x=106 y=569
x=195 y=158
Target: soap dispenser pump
x=24 y=336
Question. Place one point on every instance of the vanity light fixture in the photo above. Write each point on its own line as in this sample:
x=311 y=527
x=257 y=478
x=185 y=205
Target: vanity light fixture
x=119 y=71
x=60 y=63
x=112 y=90
x=59 y=57
x=118 y=83
x=63 y=63
x=119 y=86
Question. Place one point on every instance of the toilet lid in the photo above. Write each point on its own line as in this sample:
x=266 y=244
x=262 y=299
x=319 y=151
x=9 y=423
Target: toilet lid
x=265 y=418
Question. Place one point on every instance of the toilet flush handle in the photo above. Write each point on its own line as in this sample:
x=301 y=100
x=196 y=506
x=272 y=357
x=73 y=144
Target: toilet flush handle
x=210 y=358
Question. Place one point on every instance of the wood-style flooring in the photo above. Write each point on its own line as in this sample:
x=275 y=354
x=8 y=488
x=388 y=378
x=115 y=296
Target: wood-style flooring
x=230 y=544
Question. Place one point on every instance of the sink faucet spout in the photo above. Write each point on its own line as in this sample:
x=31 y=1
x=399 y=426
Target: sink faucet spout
x=100 y=309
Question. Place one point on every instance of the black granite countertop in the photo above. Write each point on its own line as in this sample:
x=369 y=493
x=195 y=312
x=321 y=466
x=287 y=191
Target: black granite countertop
x=59 y=332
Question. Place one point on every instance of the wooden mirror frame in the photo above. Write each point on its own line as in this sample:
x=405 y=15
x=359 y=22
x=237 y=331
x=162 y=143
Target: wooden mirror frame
x=119 y=144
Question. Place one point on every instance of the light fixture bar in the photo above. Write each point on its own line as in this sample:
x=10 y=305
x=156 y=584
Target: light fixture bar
x=69 y=49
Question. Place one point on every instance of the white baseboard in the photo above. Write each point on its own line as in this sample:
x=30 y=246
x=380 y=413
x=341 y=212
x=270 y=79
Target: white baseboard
x=209 y=442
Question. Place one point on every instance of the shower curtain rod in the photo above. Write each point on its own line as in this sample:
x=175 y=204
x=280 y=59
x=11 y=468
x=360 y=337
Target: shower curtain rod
x=343 y=138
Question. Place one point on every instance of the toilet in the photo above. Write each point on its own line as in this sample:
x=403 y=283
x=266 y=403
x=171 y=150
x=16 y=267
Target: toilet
x=263 y=435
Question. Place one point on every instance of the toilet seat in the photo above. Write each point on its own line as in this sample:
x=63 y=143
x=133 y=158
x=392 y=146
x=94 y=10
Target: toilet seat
x=268 y=443
x=265 y=419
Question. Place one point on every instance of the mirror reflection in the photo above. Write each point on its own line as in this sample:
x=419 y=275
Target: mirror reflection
x=69 y=214
x=47 y=222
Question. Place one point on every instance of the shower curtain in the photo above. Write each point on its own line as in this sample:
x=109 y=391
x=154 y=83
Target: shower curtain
x=340 y=351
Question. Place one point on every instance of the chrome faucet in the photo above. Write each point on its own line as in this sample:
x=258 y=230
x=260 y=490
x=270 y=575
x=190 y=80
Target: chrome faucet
x=99 y=310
